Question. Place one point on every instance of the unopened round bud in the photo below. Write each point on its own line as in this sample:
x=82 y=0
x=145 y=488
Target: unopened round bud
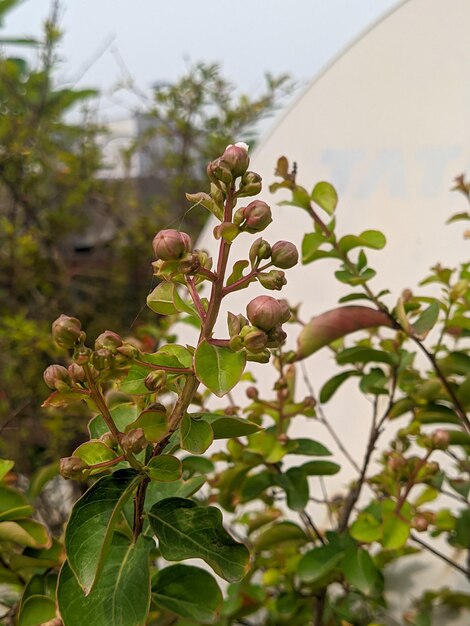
x=129 y=351
x=260 y=249
x=134 y=441
x=276 y=337
x=155 y=381
x=440 y=439
x=259 y=357
x=284 y=254
x=273 y=280
x=419 y=523
x=252 y=393
x=67 y=331
x=265 y=312
x=77 y=373
x=255 y=340
x=72 y=467
x=57 y=377
x=286 y=313
x=250 y=184
x=108 y=340
x=102 y=359
x=171 y=244
x=309 y=402
x=108 y=439
x=219 y=170
x=237 y=159
x=257 y=216
x=82 y=355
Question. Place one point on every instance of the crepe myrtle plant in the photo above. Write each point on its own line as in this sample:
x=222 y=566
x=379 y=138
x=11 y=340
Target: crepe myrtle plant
x=141 y=404
x=157 y=494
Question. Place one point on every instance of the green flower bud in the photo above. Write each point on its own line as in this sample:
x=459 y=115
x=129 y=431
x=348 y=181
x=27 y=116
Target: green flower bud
x=156 y=380
x=250 y=184
x=102 y=359
x=108 y=439
x=219 y=170
x=108 y=340
x=73 y=468
x=239 y=216
x=57 y=377
x=170 y=244
x=260 y=249
x=67 y=332
x=274 y=279
x=235 y=323
x=257 y=216
x=189 y=264
x=265 y=312
x=134 y=441
x=128 y=350
x=237 y=159
x=284 y=255
x=255 y=340
x=259 y=357
x=82 y=355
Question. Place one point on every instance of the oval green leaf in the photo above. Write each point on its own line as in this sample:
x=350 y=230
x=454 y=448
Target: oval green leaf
x=164 y=468
x=195 y=435
x=218 y=368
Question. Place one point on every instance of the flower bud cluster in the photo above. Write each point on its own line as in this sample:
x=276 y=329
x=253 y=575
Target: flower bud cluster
x=233 y=163
x=254 y=217
x=67 y=332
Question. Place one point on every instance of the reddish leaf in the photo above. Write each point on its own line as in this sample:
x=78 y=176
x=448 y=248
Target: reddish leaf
x=327 y=327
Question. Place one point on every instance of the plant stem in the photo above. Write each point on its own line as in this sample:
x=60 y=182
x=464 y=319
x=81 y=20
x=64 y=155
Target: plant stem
x=440 y=555
x=165 y=368
x=196 y=299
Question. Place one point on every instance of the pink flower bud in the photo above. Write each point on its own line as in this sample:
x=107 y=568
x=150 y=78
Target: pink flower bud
x=108 y=340
x=67 y=331
x=77 y=373
x=284 y=255
x=440 y=439
x=72 y=468
x=134 y=441
x=155 y=381
x=170 y=244
x=237 y=159
x=257 y=216
x=57 y=377
x=265 y=312
x=252 y=393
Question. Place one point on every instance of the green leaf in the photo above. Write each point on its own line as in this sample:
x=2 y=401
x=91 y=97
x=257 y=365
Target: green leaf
x=37 y=610
x=308 y=447
x=360 y=354
x=195 y=435
x=178 y=489
x=320 y=562
x=122 y=414
x=134 y=383
x=11 y=499
x=154 y=423
x=331 y=386
x=121 y=596
x=280 y=533
x=218 y=368
x=41 y=477
x=5 y=467
x=426 y=320
x=237 y=272
x=295 y=484
x=164 y=468
x=360 y=571
x=266 y=445
x=171 y=355
x=366 y=528
x=20 y=512
x=325 y=196
x=189 y=592
x=227 y=426
x=395 y=531
x=310 y=244
x=255 y=485
x=92 y=522
x=321 y=468
x=368 y=239
x=26 y=532
x=162 y=299
x=93 y=452
x=197 y=464
x=186 y=530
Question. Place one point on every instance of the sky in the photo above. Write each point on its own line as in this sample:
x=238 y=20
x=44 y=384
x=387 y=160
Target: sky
x=155 y=40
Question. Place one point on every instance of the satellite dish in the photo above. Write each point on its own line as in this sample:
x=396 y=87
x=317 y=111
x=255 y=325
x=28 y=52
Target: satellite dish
x=387 y=124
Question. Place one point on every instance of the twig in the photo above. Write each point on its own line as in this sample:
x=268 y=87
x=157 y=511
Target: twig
x=440 y=555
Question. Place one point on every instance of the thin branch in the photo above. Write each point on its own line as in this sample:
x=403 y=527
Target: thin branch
x=440 y=555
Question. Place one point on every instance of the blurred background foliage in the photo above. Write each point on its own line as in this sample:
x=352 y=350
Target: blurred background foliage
x=74 y=238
